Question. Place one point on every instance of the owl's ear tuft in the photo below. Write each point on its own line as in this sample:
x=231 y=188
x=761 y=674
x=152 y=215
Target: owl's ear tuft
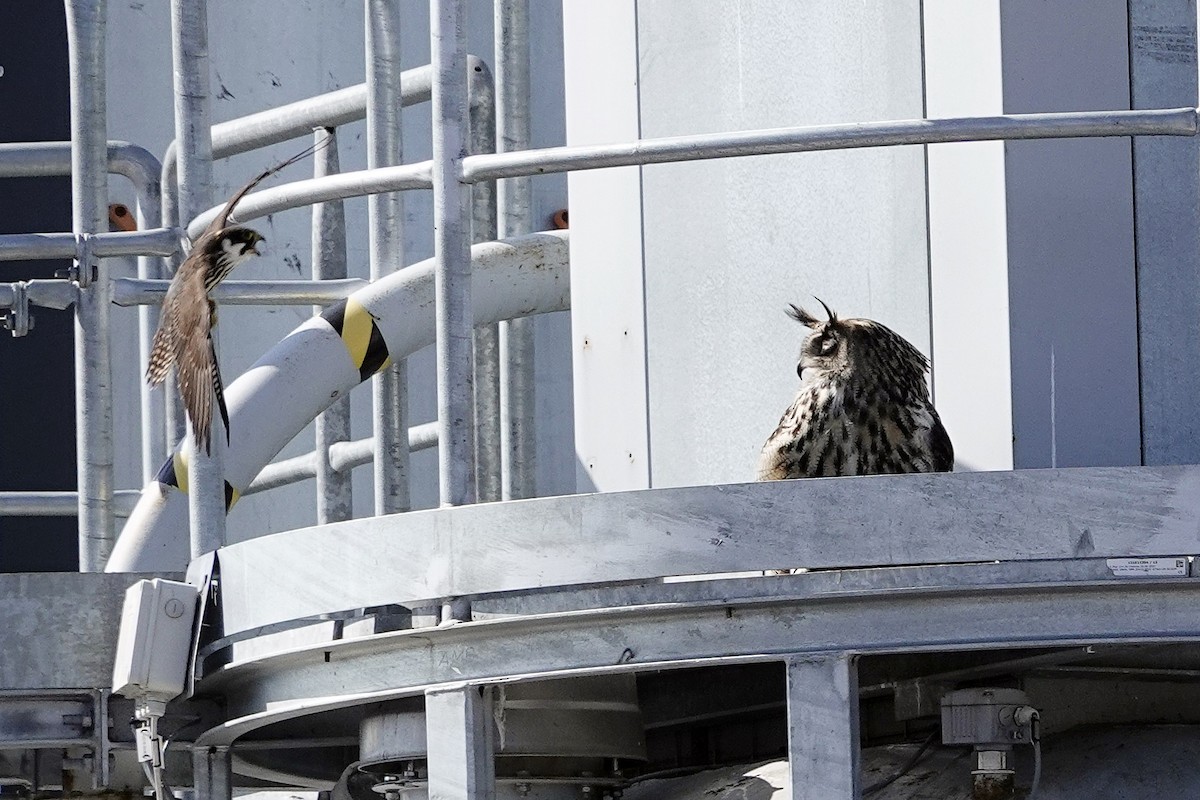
x=802 y=316
x=832 y=316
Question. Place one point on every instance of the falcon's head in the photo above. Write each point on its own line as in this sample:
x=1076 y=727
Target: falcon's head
x=238 y=244
x=861 y=349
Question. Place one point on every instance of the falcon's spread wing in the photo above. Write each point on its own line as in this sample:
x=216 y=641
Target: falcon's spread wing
x=194 y=359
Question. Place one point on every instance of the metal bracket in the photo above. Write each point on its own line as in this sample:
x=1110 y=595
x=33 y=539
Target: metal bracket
x=17 y=319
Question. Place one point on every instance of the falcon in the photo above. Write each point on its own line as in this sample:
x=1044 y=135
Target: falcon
x=184 y=336
x=862 y=408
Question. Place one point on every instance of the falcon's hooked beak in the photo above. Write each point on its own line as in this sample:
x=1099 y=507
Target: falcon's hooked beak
x=259 y=248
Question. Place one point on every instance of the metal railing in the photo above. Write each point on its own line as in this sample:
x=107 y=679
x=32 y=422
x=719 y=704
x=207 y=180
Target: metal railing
x=472 y=446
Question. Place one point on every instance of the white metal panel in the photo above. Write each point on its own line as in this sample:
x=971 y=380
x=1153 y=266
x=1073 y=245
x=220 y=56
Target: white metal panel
x=968 y=250
x=730 y=243
x=1072 y=293
x=607 y=314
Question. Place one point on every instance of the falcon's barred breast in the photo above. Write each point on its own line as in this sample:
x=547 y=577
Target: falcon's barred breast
x=863 y=407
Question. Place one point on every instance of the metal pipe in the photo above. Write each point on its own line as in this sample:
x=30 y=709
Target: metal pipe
x=59 y=504
x=58 y=294
x=89 y=214
x=385 y=220
x=515 y=196
x=452 y=254
x=318 y=190
x=189 y=50
x=31 y=246
x=1161 y=122
x=482 y=116
x=343 y=457
x=137 y=292
x=286 y=122
x=335 y=499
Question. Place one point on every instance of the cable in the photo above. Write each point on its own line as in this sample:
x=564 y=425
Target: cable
x=908 y=765
x=1035 y=726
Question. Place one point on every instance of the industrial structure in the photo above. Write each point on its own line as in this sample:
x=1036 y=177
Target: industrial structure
x=629 y=616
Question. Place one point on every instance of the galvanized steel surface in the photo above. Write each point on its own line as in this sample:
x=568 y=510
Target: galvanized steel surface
x=385 y=220
x=515 y=202
x=1163 y=122
x=451 y=214
x=628 y=536
x=89 y=214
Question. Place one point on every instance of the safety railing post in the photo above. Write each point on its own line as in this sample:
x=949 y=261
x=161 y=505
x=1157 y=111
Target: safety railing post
x=452 y=254
x=86 y=23
x=385 y=214
x=189 y=34
x=515 y=195
x=488 y=460
x=335 y=501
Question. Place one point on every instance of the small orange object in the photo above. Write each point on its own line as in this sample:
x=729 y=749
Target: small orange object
x=120 y=218
x=560 y=219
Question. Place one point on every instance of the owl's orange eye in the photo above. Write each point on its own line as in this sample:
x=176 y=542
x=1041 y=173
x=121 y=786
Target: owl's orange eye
x=828 y=344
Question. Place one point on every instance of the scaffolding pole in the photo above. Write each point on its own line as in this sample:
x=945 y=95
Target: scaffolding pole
x=89 y=212
x=515 y=195
x=385 y=214
x=189 y=32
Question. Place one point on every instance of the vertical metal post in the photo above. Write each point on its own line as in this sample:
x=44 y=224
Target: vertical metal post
x=335 y=501
x=193 y=137
x=385 y=214
x=458 y=729
x=154 y=439
x=452 y=254
x=89 y=211
x=174 y=425
x=1162 y=70
x=822 y=714
x=517 y=387
x=212 y=776
x=488 y=459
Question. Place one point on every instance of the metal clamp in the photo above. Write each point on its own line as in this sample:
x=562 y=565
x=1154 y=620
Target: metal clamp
x=85 y=270
x=17 y=319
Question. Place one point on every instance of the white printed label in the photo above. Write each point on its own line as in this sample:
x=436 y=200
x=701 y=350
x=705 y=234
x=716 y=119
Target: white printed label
x=1149 y=567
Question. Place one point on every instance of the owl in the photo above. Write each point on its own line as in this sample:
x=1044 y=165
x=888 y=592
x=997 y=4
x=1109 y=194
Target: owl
x=863 y=406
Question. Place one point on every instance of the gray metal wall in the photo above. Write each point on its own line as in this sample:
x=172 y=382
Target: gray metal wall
x=264 y=54
x=1072 y=292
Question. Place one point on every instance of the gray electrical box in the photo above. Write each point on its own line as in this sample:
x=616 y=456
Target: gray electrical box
x=982 y=717
x=155 y=639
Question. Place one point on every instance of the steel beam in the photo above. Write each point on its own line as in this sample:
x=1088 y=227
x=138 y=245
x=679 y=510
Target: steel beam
x=822 y=719
x=212 y=774
x=458 y=724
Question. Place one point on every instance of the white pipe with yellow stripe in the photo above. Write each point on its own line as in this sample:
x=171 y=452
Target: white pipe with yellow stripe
x=322 y=360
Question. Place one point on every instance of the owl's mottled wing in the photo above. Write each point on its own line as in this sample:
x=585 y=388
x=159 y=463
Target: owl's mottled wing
x=941 y=449
x=194 y=356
